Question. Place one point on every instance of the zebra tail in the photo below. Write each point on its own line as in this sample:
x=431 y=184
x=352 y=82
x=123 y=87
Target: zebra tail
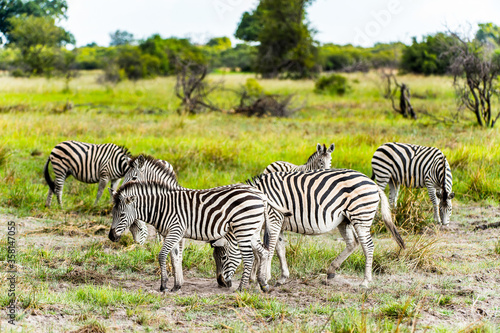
x=279 y=209
x=47 y=176
x=266 y=237
x=386 y=216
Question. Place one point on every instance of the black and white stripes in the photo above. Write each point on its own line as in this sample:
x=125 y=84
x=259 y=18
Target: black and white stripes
x=88 y=163
x=320 y=201
x=415 y=166
x=201 y=215
x=320 y=159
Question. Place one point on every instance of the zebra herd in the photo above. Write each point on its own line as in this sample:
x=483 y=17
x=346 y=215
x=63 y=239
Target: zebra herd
x=309 y=199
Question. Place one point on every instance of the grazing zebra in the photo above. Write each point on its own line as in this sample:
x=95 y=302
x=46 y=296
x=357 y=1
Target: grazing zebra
x=205 y=215
x=320 y=201
x=320 y=159
x=147 y=169
x=415 y=166
x=88 y=163
x=136 y=172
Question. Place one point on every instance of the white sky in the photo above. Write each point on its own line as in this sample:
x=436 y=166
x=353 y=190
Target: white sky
x=359 y=22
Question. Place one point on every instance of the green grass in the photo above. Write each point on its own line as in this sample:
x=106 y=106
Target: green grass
x=69 y=267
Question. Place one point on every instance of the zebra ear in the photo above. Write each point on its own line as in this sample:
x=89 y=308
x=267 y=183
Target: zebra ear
x=111 y=192
x=331 y=148
x=129 y=200
x=451 y=195
x=220 y=242
x=319 y=148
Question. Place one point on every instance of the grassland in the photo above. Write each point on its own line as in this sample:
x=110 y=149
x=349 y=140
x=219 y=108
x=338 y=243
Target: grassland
x=72 y=277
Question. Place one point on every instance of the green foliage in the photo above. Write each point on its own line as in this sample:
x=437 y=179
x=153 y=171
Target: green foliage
x=40 y=8
x=429 y=56
x=39 y=42
x=241 y=57
x=286 y=44
x=333 y=84
x=220 y=43
x=355 y=58
x=253 y=88
x=488 y=33
x=121 y=37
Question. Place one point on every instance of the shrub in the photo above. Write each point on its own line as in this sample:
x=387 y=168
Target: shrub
x=334 y=84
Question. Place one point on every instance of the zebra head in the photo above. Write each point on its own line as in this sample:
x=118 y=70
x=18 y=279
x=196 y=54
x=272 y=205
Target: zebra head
x=124 y=214
x=136 y=170
x=227 y=258
x=322 y=157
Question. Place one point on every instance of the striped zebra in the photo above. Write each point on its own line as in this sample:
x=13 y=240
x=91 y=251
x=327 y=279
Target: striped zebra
x=320 y=201
x=415 y=166
x=139 y=172
x=88 y=163
x=205 y=215
x=320 y=159
x=147 y=169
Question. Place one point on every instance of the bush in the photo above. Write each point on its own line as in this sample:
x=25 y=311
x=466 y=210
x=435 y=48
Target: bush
x=333 y=84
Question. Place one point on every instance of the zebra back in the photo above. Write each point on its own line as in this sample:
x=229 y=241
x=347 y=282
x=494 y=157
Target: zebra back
x=411 y=165
x=88 y=162
x=320 y=159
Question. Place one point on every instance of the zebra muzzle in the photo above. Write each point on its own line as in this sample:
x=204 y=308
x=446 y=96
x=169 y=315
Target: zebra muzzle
x=222 y=282
x=112 y=236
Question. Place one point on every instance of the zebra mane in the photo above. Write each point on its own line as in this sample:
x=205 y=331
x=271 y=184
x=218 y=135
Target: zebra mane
x=141 y=185
x=445 y=193
x=156 y=164
x=255 y=180
x=125 y=150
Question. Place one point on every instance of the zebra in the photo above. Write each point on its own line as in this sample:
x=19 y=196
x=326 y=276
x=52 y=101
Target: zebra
x=147 y=168
x=415 y=166
x=135 y=172
x=319 y=201
x=88 y=163
x=320 y=159
x=205 y=215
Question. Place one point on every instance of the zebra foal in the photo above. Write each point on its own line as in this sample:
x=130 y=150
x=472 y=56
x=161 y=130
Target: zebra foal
x=415 y=166
x=320 y=201
x=205 y=215
x=88 y=163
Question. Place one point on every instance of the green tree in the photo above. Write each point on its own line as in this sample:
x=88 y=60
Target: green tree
x=39 y=41
x=121 y=37
x=429 y=56
x=488 y=33
x=286 y=47
x=220 y=43
x=40 y=8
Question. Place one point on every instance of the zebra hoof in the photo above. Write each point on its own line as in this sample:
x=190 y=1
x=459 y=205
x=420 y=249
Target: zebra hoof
x=265 y=288
x=330 y=276
x=175 y=288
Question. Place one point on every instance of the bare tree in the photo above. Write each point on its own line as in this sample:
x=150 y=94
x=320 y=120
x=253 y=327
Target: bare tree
x=475 y=70
x=405 y=107
x=192 y=88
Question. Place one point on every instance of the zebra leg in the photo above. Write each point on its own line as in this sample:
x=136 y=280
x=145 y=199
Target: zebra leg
x=176 y=257
x=102 y=185
x=114 y=186
x=170 y=242
x=49 y=198
x=263 y=255
x=255 y=268
x=351 y=244
x=280 y=252
x=58 y=189
x=435 y=202
x=393 y=194
x=247 y=257
x=274 y=228
x=365 y=239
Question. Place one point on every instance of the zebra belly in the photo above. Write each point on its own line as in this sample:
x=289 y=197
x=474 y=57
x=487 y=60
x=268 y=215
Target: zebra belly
x=317 y=228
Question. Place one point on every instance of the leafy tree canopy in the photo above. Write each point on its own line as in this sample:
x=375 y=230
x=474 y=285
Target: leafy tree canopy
x=221 y=43
x=488 y=33
x=40 y=8
x=120 y=37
